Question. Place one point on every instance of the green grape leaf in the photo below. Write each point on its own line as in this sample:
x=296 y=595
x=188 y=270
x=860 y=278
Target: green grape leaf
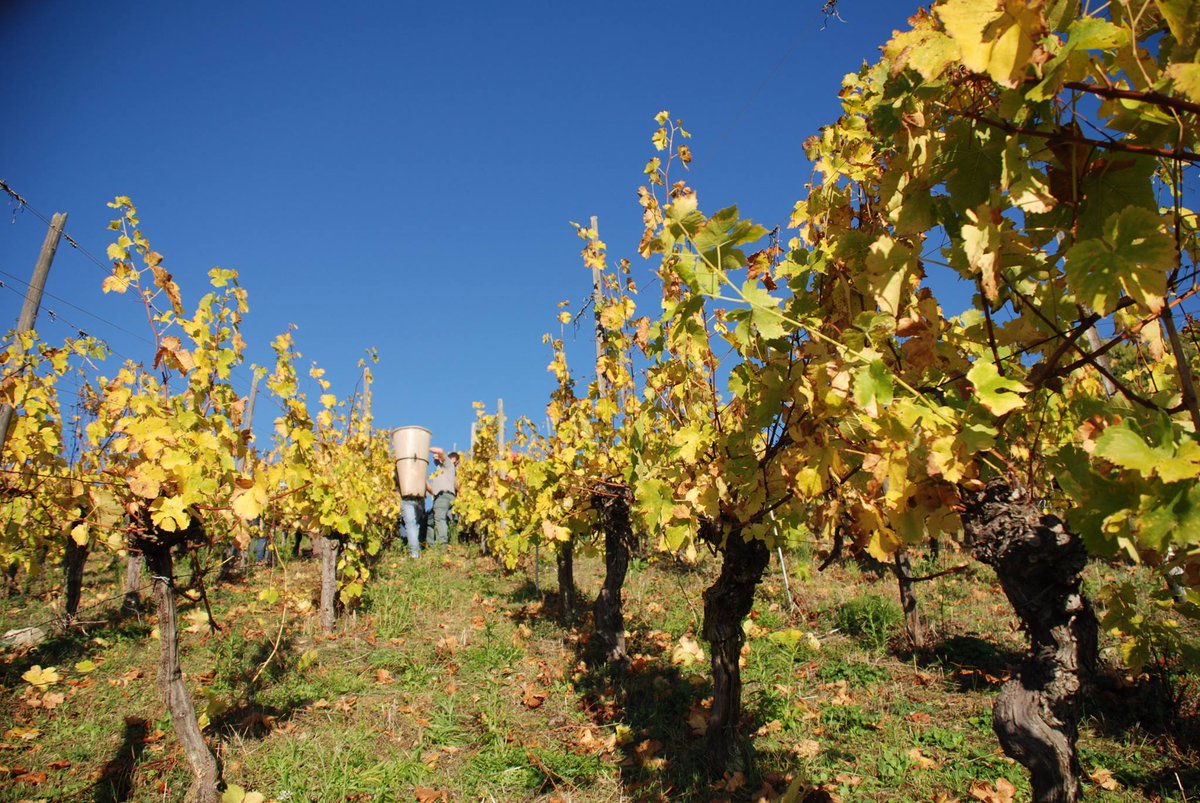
x=998 y=394
x=873 y=385
x=1133 y=258
x=1123 y=447
x=1094 y=33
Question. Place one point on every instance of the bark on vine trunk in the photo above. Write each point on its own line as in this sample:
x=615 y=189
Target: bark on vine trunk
x=134 y=561
x=328 y=549
x=608 y=610
x=726 y=604
x=74 y=561
x=902 y=569
x=205 y=772
x=564 y=558
x=1038 y=562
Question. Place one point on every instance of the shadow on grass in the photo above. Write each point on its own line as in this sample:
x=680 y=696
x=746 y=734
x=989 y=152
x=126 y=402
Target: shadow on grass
x=653 y=700
x=68 y=647
x=1162 y=705
x=250 y=667
x=115 y=783
x=972 y=662
x=536 y=603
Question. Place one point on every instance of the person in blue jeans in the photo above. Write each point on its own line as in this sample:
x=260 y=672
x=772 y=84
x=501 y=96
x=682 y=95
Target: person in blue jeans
x=410 y=509
x=443 y=487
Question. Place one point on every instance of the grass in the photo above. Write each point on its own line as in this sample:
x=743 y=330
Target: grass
x=457 y=678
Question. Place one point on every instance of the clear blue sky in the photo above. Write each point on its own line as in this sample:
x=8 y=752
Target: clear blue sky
x=394 y=175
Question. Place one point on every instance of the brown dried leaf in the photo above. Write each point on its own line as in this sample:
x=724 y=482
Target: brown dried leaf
x=1003 y=792
x=1104 y=779
x=921 y=760
x=533 y=698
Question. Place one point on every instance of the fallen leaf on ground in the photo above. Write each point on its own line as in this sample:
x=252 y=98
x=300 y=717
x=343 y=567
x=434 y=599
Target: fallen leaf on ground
x=24 y=734
x=1104 y=779
x=921 y=760
x=41 y=678
x=532 y=698
x=1002 y=792
x=806 y=749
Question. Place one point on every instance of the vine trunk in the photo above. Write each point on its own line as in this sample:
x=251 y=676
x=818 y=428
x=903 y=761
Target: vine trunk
x=205 y=772
x=608 y=610
x=328 y=549
x=1038 y=563
x=726 y=603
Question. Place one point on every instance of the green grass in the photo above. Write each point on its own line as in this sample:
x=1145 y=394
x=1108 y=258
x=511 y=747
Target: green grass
x=458 y=677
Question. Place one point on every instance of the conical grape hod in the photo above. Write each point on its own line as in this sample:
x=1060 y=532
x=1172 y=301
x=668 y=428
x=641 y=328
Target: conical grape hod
x=410 y=450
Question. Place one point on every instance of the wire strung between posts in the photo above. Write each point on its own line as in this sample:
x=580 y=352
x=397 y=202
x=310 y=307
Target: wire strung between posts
x=107 y=269
x=125 y=594
x=87 y=312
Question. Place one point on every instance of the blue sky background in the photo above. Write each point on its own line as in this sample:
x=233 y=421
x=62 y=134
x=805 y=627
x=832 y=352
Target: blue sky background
x=394 y=175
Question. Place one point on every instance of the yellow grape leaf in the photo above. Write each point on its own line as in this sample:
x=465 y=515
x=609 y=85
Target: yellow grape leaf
x=79 y=534
x=83 y=667
x=169 y=514
x=24 y=734
x=248 y=505
x=41 y=678
x=996 y=38
x=114 y=284
x=233 y=793
x=1186 y=78
x=883 y=544
x=328 y=399
x=687 y=652
x=145 y=487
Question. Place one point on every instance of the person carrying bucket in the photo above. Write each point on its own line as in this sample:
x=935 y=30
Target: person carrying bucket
x=410 y=450
x=443 y=487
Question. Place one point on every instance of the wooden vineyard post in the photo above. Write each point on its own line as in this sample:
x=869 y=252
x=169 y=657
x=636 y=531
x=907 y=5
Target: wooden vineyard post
x=601 y=385
x=33 y=301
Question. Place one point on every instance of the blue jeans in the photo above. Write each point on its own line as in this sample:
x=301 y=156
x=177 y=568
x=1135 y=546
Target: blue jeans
x=259 y=547
x=441 y=518
x=408 y=524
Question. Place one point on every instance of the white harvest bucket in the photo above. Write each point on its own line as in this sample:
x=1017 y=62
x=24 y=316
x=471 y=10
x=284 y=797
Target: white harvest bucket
x=410 y=450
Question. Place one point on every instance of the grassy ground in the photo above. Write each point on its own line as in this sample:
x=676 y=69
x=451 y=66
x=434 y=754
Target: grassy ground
x=457 y=681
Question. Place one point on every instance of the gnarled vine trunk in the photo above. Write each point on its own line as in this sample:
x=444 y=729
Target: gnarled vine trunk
x=902 y=569
x=205 y=772
x=726 y=603
x=608 y=610
x=564 y=558
x=134 y=560
x=74 y=561
x=327 y=549
x=1038 y=562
